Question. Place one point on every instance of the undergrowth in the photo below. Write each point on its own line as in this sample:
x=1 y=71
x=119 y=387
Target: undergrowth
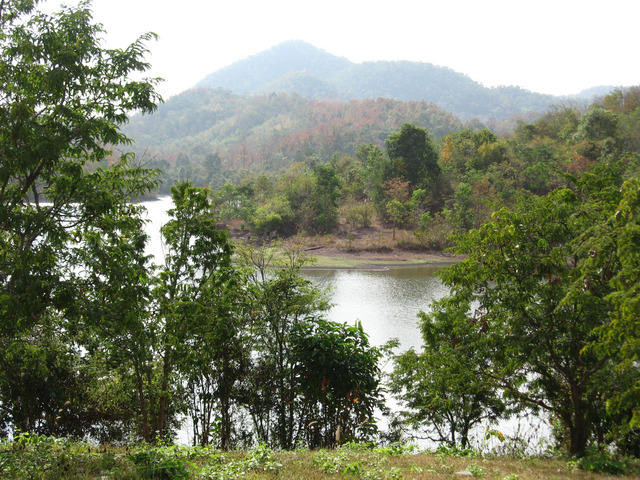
x=49 y=458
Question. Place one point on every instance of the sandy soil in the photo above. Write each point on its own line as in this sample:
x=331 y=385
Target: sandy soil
x=374 y=244
x=394 y=256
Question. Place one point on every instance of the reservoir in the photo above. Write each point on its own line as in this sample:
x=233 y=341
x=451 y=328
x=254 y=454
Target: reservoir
x=386 y=301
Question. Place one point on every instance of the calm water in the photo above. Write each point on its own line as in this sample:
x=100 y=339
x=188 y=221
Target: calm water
x=386 y=302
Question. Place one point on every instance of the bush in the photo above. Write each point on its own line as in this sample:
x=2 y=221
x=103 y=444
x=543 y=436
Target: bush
x=600 y=463
x=157 y=465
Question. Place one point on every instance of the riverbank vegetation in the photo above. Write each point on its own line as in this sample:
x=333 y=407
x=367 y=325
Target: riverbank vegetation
x=98 y=342
x=50 y=458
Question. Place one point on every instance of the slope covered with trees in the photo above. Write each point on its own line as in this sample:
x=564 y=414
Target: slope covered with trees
x=268 y=132
x=328 y=76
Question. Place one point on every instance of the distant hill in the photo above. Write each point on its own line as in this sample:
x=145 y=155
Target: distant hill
x=273 y=130
x=592 y=92
x=294 y=99
x=298 y=67
x=252 y=75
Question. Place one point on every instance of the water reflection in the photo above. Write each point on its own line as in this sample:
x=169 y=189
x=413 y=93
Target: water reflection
x=386 y=302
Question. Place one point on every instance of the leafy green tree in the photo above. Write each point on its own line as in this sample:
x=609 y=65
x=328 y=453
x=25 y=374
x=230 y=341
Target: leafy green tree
x=324 y=200
x=63 y=100
x=41 y=385
x=517 y=287
x=281 y=299
x=613 y=262
x=398 y=213
x=596 y=134
x=462 y=215
x=596 y=125
x=111 y=318
x=215 y=358
x=233 y=202
x=339 y=380
x=197 y=261
x=376 y=170
x=441 y=396
x=414 y=155
x=274 y=219
x=350 y=171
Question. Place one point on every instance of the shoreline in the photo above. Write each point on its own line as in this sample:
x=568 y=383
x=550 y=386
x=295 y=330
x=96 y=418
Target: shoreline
x=335 y=259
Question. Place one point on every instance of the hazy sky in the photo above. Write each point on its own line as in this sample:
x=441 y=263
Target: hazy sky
x=548 y=46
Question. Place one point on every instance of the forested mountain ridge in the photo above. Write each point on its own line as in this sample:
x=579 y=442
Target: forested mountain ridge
x=273 y=130
x=253 y=74
x=293 y=100
x=298 y=67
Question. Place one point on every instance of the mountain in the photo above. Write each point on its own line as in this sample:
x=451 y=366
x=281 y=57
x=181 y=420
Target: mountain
x=295 y=100
x=593 y=92
x=254 y=74
x=273 y=130
x=298 y=67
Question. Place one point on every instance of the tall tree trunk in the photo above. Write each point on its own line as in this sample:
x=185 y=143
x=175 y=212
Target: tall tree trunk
x=578 y=425
x=164 y=394
x=144 y=410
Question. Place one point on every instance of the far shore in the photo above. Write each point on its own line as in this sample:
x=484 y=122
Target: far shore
x=332 y=258
x=372 y=248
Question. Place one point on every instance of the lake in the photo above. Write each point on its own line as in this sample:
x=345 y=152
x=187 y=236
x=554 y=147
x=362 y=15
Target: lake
x=386 y=302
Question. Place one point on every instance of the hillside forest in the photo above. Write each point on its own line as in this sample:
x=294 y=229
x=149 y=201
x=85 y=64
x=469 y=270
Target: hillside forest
x=100 y=343
x=426 y=179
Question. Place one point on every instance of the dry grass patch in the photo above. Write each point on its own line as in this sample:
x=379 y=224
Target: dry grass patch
x=49 y=458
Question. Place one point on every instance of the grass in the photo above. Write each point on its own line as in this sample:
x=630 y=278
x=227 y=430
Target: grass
x=50 y=458
x=368 y=264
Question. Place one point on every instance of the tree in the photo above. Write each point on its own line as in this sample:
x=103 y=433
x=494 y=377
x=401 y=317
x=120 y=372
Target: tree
x=613 y=263
x=215 y=359
x=197 y=263
x=441 y=395
x=324 y=200
x=377 y=169
x=281 y=299
x=338 y=376
x=414 y=155
x=517 y=287
x=63 y=100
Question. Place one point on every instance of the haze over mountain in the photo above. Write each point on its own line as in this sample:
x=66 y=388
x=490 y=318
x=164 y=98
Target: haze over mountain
x=299 y=67
x=294 y=100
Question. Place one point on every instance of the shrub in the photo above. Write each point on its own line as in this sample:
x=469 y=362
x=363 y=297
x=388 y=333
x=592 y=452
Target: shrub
x=600 y=463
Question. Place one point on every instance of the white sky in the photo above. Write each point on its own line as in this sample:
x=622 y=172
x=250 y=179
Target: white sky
x=548 y=46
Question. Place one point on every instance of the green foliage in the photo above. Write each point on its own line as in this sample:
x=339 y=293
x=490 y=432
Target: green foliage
x=262 y=458
x=475 y=470
x=414 y=155
x=514 y=304
x=155 y=464
x=324 y=199
x=613 y=253
x=339 y=380
x=456 y=451
x=600 y=463
x=190 y=289
x=63 y=200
